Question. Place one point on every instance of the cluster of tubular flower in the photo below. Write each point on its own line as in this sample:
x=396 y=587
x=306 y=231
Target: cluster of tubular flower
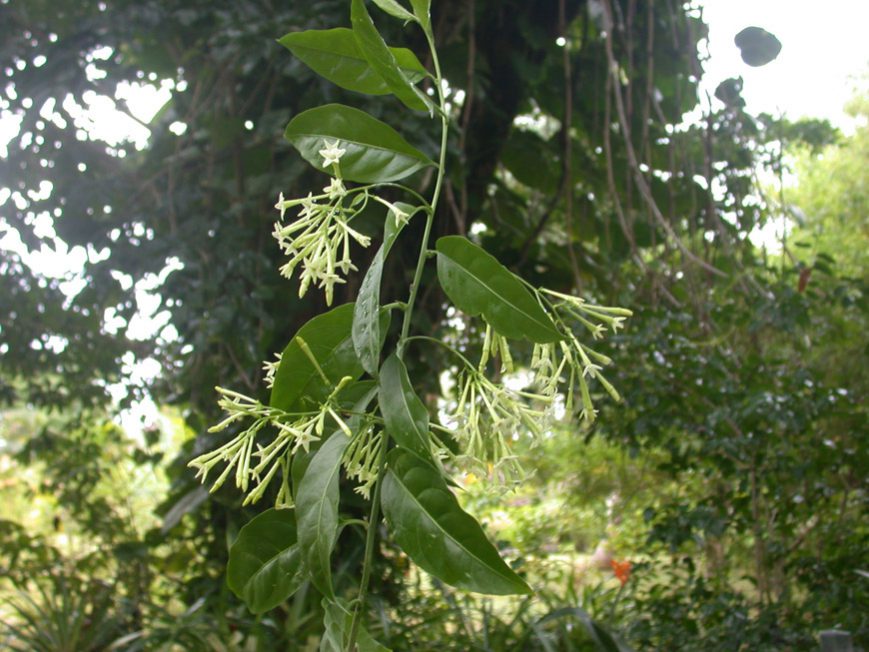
x=489 y=415
x=362 y=457
x=256 y=465
x=318 y=242
x=319 y=239
x=570 y=358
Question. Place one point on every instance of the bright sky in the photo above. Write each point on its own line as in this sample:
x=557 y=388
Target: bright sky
x=825 y=50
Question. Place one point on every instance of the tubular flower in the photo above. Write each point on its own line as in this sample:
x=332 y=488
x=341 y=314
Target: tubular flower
x=488 y=416
x=569 y=357
x=331 y=153
x=361 y=458
x=270 y=367
x=255 y=465
x=319 y=240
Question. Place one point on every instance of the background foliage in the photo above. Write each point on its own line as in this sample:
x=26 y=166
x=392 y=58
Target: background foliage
x=733 y=477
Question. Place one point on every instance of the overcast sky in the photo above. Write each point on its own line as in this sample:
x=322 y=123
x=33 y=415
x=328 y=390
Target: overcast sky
x=825 y=48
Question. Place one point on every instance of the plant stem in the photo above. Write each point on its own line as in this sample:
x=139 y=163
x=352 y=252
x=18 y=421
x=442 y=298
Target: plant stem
x=420 y=262
x=402 y=343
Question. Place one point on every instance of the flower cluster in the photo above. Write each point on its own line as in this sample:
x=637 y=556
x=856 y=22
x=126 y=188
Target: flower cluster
x=488 y=416
x=568 y=357
x=270 y=367
x=319 y=240
x=255 y=464
x=579 y=309
x=362 y=457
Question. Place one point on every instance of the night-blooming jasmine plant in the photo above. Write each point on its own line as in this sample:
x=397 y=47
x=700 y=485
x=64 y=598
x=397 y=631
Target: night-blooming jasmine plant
x=340 y=396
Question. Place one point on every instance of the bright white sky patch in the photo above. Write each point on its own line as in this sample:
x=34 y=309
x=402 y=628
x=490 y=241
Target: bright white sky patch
x=825 y=51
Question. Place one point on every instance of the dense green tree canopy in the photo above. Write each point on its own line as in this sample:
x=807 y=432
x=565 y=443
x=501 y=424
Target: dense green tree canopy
x=573 y=161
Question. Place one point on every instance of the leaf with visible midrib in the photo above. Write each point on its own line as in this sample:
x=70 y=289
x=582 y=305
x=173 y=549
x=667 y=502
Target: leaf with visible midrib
x=374 y=151
x=317 y=511
x=405 y=415
x=422 y=11
x=442 y=539
x=373 y=47
x=477 y=283
x=367 y=331
x=328 y=337
x=334 y=55
x=264 y=562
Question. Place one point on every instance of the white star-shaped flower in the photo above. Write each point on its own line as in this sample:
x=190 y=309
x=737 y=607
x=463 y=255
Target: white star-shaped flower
x=331 y=153
x=401 y=217
x=281 y=205
x=335 y=189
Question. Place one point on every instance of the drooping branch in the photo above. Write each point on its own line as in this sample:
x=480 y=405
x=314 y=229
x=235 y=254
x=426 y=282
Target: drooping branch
x=639 y=179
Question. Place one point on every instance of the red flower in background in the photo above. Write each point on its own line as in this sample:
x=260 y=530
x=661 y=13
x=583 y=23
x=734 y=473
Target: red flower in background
x=622 y=570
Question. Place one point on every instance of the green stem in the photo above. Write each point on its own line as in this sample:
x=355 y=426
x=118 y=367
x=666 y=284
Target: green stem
x=386 y=184
x=420 y=262
x=402 y=343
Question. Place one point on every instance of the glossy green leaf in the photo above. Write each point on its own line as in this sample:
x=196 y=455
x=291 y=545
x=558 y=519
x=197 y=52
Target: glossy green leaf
x=299 y=384
x=264 y=562
x=374 y=151
x=428 y=524
x=359 y=392
x=335 y=55
x=337 y=622
x=299 y=466
x=405 y=415
x=393 y=8
x=373 y=47
x=317 y=511
x=757 y=46
x=478 y=284
x=367 y=332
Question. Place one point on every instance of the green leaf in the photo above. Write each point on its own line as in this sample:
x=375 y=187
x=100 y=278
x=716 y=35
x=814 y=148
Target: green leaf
x=405 y=415
x=374 y=151
x=422 y=11
x=477 y=283
x=436 y=534
x=361 y=391
x=367 y=333
x=299 y=466
x=299 y=384
x=382 y=60
x=337 y=622
x=335 y=55
x=757 y=46
x=394 y=9
x=355 y=398
x=317 y=511
x=264 y=562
